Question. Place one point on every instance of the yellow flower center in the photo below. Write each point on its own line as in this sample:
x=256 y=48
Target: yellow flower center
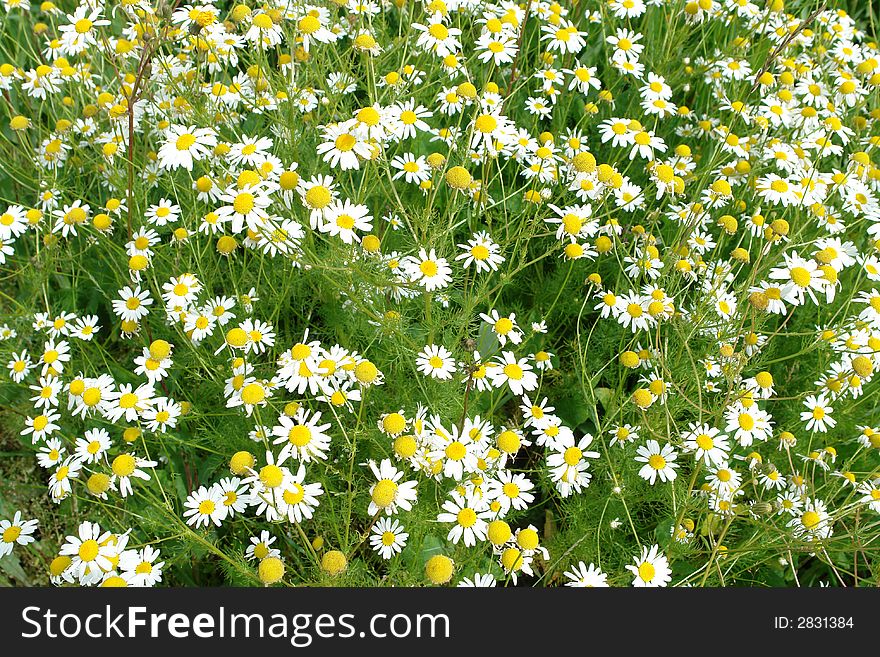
x=456 y=451
x=124 y=465
x=185 y=141
x=810 y=519
x=309 y=24
x=486 y=123
x=800 y=276
x=503 y=326
x=438 y=31
x=88 y=550
x=510 y=489
x=318 y=197
x=299 y=435
x=467 y=518
x=513 y=371
x=345 y=142
x=573 y=455
x=11 y=534
x=271 y=476
x=243 y=203
x=384 y=493
x=646 y=571
x=294 y=495
x=345 y=221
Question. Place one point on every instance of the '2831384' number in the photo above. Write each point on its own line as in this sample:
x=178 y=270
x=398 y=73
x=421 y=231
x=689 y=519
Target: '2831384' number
x=824 y=622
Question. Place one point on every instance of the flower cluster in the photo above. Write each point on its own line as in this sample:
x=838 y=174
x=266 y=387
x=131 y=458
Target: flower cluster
x=389 y=291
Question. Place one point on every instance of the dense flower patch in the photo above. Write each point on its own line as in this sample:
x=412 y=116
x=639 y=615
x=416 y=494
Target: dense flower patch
x=403 y=293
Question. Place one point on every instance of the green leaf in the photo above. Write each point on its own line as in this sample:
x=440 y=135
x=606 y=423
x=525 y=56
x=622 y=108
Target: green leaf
x=431 y=545
x=487 y=341
x=663 y=532
x=604 y=396
x=573 y=410
x=12 y=567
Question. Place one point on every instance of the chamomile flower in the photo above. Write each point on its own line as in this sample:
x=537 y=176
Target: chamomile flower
x=390 y=494
x=818 y=414
x=428 y=270
x=800 y=278
x=81 y=30
x=436 y=37
x=482 y=252
x=16 y=532
x=412 y=169
x=245 y=207
x=568 y=463
x=47 y=391
x=869 y=490
x=127 y=466
x=343 y=218
x=511 y=491
x=312 y=26
x=141 y=567
x=162 y=414
x=500 y=48
x=747 y=423
x=263 y=31
x=651 y=568
x=13 y=223
x=236 y=497
x=133 y=304
x=707 y=443
x=55 y=355
x=504 y=327
x=724 y=480
x=517 y=374
x=298 y=500
x=204 y=507
x=813 y=521
x=91 y=551
x=260 y=547
x=41 y=426
x=387 y=537
x=19 y=366
x=51 y=452
x=457 y=454
x=85 y=328
x=564 y=37
x=93 y=446
x=436 y=362
x=478 y=580
x=155 y=370
x=260 y=335
x=468 y=515
x=583 y=576
x=659 y=462
x=128 y=402
x=302 y=435
x=342 y=147
x=185 y=145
